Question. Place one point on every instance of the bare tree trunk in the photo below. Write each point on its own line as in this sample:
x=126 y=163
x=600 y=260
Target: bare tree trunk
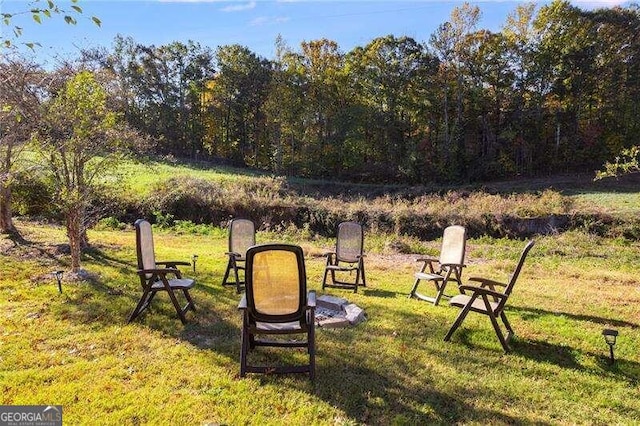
x=74 y=233
x=6 y=216
x=6 y=221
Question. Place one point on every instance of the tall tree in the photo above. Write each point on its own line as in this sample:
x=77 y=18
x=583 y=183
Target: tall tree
x=450 y=42
x=164 y=89
x=18 y=99
x=77 y=140
x=394 y=77
x=19 y=113
x=239 y=92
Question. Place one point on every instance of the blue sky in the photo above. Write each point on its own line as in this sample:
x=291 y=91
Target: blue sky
x=254 y=24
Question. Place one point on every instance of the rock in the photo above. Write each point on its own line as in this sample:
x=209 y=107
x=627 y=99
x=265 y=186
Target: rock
x=354 y=314
x=331 y=302
x=332 y=322
x=336 y=312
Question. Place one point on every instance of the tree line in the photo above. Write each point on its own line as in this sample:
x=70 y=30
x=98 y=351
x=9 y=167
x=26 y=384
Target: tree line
x=556 y=90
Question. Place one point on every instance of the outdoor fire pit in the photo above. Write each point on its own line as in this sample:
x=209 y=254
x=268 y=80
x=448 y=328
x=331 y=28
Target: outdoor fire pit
x=336 y=312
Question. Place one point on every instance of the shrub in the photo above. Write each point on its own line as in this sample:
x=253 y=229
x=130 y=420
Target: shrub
x=32 y=195
x=110 y=222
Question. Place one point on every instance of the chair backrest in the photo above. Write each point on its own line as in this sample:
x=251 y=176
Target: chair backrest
x=454 y=242
x=242 y=235
x=350 y=242
x=276 y=283
x=144 y=245
x=515 y=274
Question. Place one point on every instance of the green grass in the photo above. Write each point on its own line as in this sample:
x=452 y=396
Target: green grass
x=140 y=178
x=76 y=349
x=560 y=195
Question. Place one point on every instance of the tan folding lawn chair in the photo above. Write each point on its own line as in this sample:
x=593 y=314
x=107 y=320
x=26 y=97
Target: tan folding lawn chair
x=485 y=299
x=346 y=259
x=448 y=267
x=154 y=279
x=276 y=303
x=242 y=235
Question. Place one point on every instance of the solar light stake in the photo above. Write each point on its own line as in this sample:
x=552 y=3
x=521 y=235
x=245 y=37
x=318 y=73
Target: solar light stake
x=58 y=275
x=610 y=339
x=194 y=259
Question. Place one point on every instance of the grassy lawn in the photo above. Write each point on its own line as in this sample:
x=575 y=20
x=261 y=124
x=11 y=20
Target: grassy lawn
x=76 y=349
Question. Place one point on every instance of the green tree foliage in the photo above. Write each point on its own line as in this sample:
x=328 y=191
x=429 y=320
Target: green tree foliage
x=627 y=162
x=77 y=140
x=39 y=10
x=237 y=97
x=19 y=100
x=556 y=90
x=19 y=113
x=392 y=78
x=162 y=91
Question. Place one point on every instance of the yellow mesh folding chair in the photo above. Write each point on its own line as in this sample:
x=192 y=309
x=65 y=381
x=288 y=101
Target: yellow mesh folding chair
x=242 y=235
x=276 y=303
x=448 y=267
x=154 y=279
x=485 y=299
x=346 y=259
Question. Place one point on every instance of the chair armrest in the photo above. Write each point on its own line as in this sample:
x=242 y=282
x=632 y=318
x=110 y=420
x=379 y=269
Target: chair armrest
x=329 y=253
x=311 y=299
x=233 y=253
x=173 y=262
x=158 y=271
x=427 y=259
x=460 y=265
x=482 y=290
x=487 y=282
x=243 y=302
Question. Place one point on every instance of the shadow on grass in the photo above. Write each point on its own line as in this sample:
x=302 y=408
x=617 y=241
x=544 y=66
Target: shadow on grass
x=393 y=396
x=532 y=313
x=95 y=301
x=561 y=355
x=99 y=256
x=621 y=368
x=375 y=292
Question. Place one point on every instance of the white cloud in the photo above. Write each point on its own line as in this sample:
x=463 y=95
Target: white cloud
x=267 y=20
x=239 y=7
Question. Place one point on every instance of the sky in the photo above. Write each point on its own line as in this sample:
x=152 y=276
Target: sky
x=251 y=23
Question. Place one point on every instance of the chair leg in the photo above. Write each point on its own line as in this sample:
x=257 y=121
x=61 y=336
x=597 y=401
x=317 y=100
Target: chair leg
x=412 y=293
x=510 y=331
x=461 y=316
x=226 y=273
x=244 y=348
x=237 y=277
x=144 y=302
x=440 y=290
x=311 y=342
x=187 y=296
x=324 y=278
x=441 y=287
x=496 y=326
x=363 y=278
x=176 y=304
